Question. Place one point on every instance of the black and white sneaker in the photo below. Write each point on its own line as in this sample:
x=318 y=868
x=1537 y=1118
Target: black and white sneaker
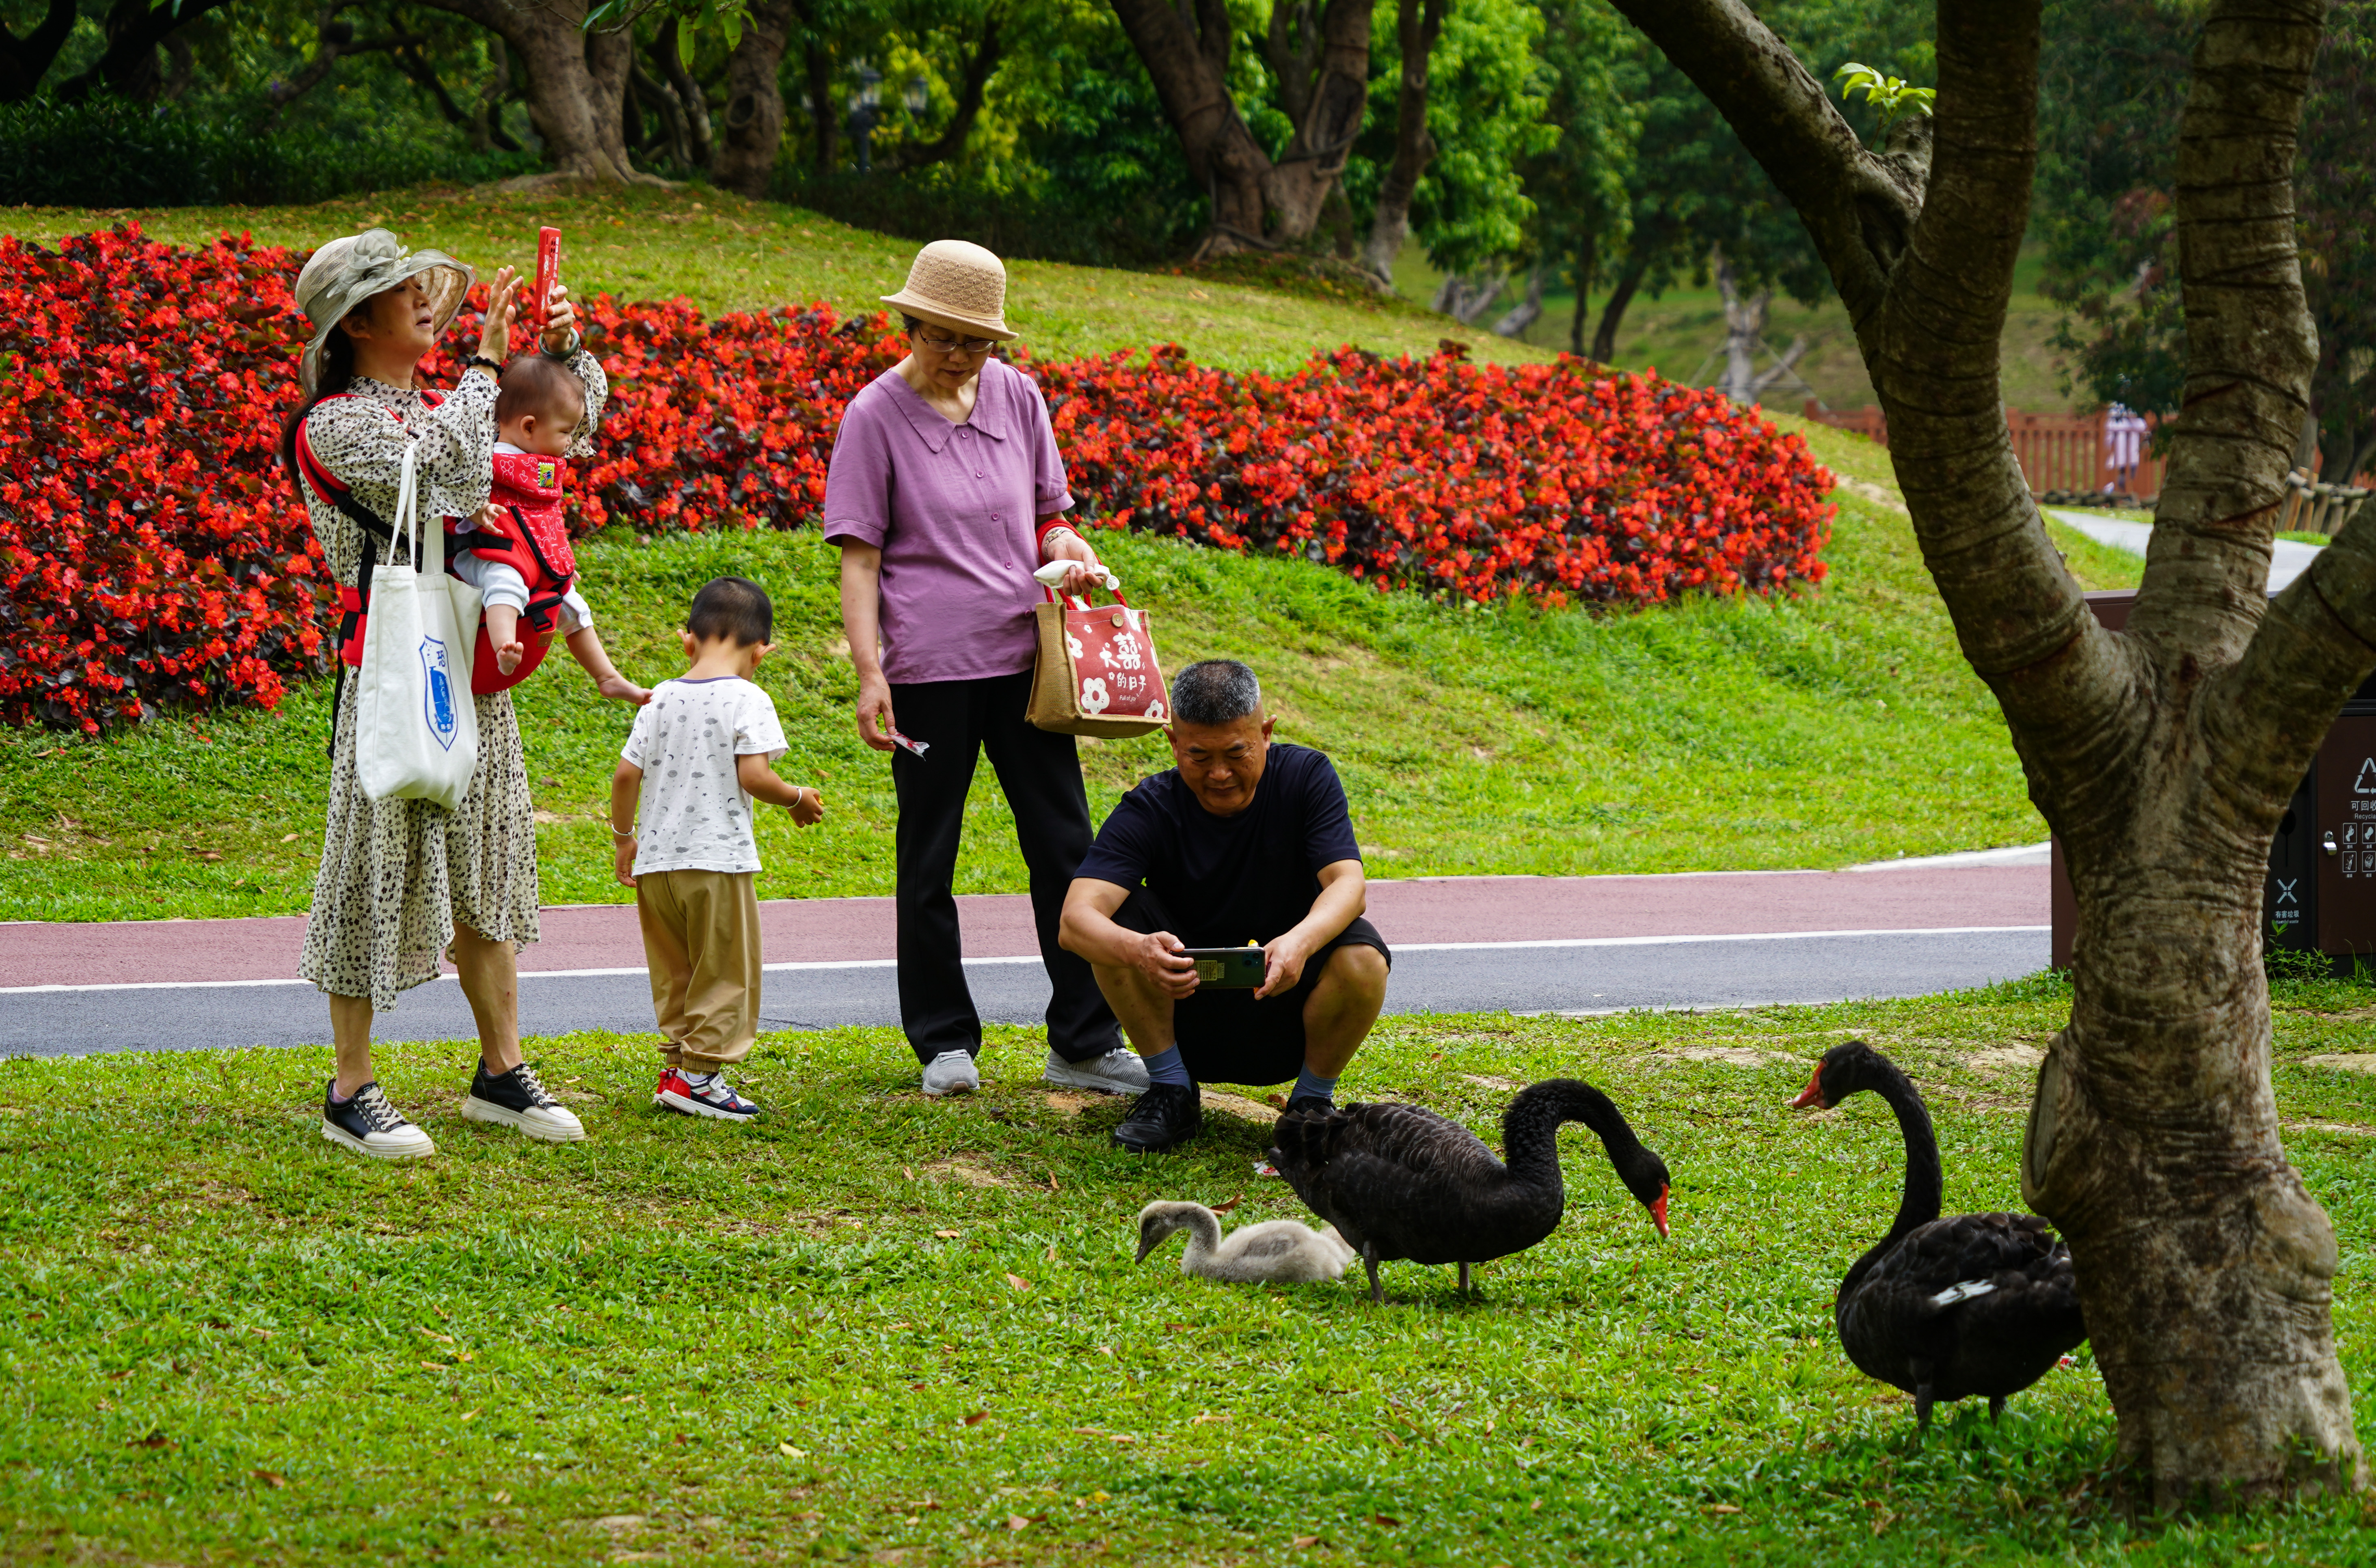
x=516 y=1100
x=368 y=1125
x=1166 y=1115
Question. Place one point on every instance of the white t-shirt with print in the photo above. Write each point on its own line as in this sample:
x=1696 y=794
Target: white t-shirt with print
x=694 y=814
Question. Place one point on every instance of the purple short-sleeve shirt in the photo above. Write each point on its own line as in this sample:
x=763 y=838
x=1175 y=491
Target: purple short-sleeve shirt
x=954 y=508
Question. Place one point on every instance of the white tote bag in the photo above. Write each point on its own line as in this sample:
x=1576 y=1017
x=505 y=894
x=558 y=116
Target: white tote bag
x=416 y=732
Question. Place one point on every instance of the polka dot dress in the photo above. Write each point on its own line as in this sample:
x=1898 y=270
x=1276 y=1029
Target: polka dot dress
x=397 y=876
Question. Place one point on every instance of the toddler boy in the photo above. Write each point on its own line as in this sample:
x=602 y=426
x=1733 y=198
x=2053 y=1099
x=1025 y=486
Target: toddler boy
x=706 y=741
x=540 y=405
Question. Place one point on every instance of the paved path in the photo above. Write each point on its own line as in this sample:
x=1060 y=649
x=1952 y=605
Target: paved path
x=1462 y=944
x=2288 y=558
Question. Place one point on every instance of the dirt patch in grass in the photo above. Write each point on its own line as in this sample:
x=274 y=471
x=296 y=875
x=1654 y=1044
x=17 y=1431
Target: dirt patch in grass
x=972 y=1170
x=2349 y=1063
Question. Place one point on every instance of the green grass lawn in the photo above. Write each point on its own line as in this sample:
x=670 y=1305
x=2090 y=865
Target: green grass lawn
x=878 y=1328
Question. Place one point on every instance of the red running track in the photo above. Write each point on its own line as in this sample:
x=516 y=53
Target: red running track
x=1419 y=911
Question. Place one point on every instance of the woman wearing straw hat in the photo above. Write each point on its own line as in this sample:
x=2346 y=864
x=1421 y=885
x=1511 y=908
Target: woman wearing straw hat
x=404 y=880
x=945 y=493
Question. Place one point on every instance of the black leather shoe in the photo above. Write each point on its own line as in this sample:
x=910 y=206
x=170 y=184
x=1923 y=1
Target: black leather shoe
x=1164 y=1114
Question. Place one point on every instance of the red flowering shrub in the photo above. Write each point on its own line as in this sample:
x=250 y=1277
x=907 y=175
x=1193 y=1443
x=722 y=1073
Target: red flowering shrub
x=150 y=548
x=1562 y=480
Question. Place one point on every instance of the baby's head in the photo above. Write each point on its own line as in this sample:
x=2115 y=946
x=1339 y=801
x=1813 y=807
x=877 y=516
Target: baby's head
x=734 y=611
x=538 y=405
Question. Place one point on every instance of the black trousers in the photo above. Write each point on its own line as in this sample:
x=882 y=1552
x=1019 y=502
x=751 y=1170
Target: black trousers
x=1040 y=774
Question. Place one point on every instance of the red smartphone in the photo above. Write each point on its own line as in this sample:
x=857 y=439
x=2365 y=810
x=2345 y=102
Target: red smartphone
x=548 y=273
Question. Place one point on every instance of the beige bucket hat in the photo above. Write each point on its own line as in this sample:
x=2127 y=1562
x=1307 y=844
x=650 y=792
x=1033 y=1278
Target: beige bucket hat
x=959 y=283
x=351 y=269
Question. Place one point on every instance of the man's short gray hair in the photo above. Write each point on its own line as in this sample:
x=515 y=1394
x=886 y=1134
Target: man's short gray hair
x=1215 y=691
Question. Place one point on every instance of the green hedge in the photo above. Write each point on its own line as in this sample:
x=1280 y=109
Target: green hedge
x=109 y=152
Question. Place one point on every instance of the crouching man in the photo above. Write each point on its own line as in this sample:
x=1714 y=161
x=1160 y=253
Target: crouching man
x=1242 y=842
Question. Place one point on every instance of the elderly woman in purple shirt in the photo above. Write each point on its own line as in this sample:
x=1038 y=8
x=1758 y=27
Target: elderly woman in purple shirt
x=945 y=493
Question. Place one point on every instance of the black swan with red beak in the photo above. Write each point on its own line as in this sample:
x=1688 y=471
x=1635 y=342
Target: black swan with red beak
x=1399 y=1182
x=1946 y=1309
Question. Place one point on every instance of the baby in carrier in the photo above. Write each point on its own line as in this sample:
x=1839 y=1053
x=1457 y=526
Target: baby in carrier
x=516 y=552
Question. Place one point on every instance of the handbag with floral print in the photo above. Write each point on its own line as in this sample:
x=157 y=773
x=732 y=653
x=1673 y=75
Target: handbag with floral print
x=1095 y=672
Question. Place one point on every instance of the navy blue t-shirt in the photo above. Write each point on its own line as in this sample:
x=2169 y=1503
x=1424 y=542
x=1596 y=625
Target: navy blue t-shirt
x=1224 y=881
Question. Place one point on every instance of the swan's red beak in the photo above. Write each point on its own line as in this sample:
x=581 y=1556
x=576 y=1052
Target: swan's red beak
x=1659 y=1213
x=1814 y=1093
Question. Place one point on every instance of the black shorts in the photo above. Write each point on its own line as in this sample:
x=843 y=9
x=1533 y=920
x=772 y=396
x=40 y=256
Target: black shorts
x=1227 y=1037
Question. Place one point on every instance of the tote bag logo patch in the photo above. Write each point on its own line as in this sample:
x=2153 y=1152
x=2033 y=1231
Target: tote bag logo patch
x=437 y=690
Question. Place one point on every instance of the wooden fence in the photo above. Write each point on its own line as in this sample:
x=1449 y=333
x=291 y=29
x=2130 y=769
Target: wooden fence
x=2057 y=451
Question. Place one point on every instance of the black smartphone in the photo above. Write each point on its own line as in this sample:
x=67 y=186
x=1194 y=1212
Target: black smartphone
x=1230 y=969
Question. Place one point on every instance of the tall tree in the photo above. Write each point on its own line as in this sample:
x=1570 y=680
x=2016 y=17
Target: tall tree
x=1321 y=66
x=2162 y=756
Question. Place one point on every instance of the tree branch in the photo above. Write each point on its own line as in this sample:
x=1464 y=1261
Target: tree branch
x=1858 y=206
x=975 y=81
x=25 y=61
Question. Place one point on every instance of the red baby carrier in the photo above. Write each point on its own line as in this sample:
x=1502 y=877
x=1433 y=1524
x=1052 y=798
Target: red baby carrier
x=532 y=539
x=534 y=553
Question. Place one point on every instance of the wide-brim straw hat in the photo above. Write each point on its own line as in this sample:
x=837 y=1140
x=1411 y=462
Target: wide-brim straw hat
x=351 y=269
x=958 y=282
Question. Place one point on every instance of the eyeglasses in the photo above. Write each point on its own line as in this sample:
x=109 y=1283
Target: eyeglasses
x=956 y=345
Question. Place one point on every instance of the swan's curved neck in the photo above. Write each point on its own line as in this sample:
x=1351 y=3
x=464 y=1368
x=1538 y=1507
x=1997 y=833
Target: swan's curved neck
x=1919 y=1203
x=1530 y=1131
x=1204 y=1235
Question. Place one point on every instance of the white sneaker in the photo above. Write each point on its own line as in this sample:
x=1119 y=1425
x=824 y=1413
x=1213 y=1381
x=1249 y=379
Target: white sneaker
x=951 y=1071
x=516 y=1100
x=368 y=1125
x=1119 y=1071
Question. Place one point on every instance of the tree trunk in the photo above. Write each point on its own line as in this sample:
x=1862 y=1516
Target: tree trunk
x=1587 y=261
x=577 y=85
x=1744 y=329
x=1527 y=311
x=1415 y=32
x=2161 y=756
x=1612 y=314
x=1257 y=205
x=25 y=61
x=825 y=120
x=755 y=103
x=701 y=143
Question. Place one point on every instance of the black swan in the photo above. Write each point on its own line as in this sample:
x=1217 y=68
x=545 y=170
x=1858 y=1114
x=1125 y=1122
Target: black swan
x=1945 y=1309
x=1399 y=1182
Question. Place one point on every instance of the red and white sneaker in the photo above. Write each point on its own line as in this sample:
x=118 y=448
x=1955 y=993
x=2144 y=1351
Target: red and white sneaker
x=701 y=1094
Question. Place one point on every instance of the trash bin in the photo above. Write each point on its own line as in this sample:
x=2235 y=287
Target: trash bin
x=2321 y=893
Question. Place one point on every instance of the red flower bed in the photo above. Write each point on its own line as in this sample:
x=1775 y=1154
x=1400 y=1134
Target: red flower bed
x=151 y=551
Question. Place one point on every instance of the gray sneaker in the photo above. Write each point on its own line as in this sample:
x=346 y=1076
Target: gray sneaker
x=1119 y=1071
x=951 y=1071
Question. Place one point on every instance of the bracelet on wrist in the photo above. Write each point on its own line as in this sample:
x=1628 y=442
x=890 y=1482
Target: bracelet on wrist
x=480 y=362
x=628 y=833
x=576 y=339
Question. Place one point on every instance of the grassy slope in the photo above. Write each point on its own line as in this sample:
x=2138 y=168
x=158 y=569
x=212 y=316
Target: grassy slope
x=1679 y=332
x=871 y=1324
x=1836 y=728
x=726 y=253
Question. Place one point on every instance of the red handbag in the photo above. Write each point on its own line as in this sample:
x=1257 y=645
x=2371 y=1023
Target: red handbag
x=1095 y=672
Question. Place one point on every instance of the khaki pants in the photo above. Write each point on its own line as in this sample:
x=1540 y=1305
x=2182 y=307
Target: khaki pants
x=701 y=941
